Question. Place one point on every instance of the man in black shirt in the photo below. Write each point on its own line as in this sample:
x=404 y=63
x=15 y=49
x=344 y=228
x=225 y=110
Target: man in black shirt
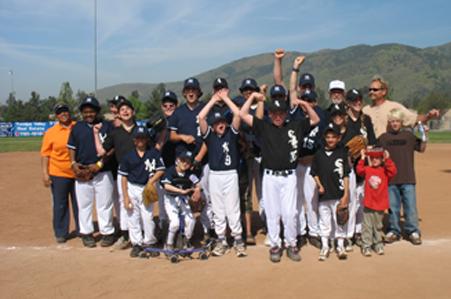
x=280 y=151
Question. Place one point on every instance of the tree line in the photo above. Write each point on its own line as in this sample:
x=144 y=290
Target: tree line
x=37 y=109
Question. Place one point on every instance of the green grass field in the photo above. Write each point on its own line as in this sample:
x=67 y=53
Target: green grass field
x=32 y=144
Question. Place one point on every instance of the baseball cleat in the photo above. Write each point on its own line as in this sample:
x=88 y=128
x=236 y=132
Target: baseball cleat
x=293 y=253
x=122 y=244
x=88 y=241
x=240 y=249
x=348 y=247
x=315 y=241
x=220 y=249
x=391 y=237
x=107 y=240
x=275 y=254
x=136 y=251
x=341 y=253
x=323 y=254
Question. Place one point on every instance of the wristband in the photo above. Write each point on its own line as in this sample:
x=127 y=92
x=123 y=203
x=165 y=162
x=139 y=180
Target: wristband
x=295 y=70
x=99 y=164
x=72 y=163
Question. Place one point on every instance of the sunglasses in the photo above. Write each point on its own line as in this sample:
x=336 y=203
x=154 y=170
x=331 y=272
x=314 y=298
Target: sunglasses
x=374 y=89
x=168 y=106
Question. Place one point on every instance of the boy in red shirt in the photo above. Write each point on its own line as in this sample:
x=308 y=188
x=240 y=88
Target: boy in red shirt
x=377 y=173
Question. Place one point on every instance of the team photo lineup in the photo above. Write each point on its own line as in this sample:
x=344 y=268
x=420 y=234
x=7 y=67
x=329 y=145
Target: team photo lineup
x=339 y=178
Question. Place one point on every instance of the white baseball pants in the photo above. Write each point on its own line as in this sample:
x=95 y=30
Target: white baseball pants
x=206 y=216
x=307 y=202
x=121 y=211
x=328 y=220
x=225 y=202
x=280 y=193
x=176 y=205
x=100 y=189
x=140 y=218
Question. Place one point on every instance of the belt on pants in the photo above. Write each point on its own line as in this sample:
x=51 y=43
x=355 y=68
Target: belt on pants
x=279 y=172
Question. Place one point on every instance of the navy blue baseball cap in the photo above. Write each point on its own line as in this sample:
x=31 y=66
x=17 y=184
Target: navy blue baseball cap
x=331 y=127
x=187 y=156
x=141 y=132
x=124 y=102
x=169 y=96
x=277 y=90
x=337 y=109
x=91 y=102
x=116 y=100
x=353 y=95
x=216 y=116
x=277 y=106
x=249 y=84
x=220 y=83
x=309 y=96
x=59 y=108
x=191 y=83
x=307 y=79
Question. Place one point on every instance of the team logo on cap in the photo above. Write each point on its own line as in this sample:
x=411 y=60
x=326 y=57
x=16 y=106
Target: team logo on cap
x=331 y=126
x=307 y=91
x=277 y=88
x=88 y=100
x=217 y=114
x=307 y=77
x=337 y=107
x=189 y=154
x=219 y=80
x=190 y=80
x=277 y=103
x=140 y=130
x=248 y=81
x=354 y=91
x=167 y=93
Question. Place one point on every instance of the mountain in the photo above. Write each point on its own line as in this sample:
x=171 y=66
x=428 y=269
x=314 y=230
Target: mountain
x=411 y=72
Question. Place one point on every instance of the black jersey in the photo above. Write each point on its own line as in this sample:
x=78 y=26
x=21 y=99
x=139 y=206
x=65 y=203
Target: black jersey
x=280 y=145
x=121 y=140
x=331 y=166
x=222 y=150
x=362 y=126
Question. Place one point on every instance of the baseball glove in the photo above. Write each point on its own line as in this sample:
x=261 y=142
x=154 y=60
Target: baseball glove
x=83 y=174
x=196 y=206
x=356 y=145
x=150 y=194
x=342 y=216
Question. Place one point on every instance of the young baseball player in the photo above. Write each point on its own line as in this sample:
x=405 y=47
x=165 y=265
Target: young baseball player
x=330 y=169
x=94 y=180
x=377 y=173
x=180 y=183
x=223 y=159
x=402 y=144
x=139 y=167
x=280 y=151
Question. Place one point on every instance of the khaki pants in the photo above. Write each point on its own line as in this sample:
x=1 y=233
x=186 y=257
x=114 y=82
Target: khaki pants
x=372 y=228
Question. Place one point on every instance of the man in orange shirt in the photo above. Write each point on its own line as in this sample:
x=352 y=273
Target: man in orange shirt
x=57 y=172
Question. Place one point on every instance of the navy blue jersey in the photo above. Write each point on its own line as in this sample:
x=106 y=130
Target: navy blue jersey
x=313 y=140
x=184 y=121
x=183 y=181
x=139 y=170
x=81 y=140
x=222 y=150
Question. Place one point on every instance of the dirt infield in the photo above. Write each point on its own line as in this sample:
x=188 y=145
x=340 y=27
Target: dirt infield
x=33 y=266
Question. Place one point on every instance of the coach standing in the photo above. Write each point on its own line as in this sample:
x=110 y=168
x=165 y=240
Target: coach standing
x=57 y=173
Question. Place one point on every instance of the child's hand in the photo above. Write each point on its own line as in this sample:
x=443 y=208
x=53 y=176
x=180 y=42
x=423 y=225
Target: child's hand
x=127 y=203
x=279 y=53
x=343 y=202
x=321 y=189
x=298 y=62
x=196 y=194
x=362 y=154
x=386 y=155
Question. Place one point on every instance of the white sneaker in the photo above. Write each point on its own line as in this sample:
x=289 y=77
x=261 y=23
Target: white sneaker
x=240 y=249
x=348 y=247
x=323 y=254
x=220 y=249
x=267 y=242
x=341 y=253
x=380 y=250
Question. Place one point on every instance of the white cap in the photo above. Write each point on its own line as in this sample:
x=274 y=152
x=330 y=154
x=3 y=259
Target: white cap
x=337 y=84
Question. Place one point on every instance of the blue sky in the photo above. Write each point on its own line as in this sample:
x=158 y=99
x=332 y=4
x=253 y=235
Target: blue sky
x=47 y=42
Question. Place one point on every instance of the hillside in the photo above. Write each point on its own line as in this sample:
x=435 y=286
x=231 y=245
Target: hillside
x=412 y=72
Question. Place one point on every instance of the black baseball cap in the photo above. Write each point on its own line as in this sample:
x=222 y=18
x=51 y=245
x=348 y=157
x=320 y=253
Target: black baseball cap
x=116 y=100
x=249 y=84
x=186 y=156
x=124 y=102
x=91 y=102
x=309 y=96
x=277 y=90
x=220 y=83
x=216 y=116
x=331 y=127
x=278 y=105
x=140 y=132
x=59 y=108
x=169 y=96
x=337 y=109
x=307 y=78
x=353 y=95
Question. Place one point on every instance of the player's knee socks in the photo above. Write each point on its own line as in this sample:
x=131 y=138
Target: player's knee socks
x=340 y=242
x=324 y=242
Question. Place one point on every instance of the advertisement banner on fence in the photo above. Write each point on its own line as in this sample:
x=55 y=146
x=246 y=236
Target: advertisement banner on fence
x=24 y=129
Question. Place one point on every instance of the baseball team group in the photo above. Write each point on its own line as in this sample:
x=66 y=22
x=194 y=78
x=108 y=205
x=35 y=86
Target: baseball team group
x=334 y=178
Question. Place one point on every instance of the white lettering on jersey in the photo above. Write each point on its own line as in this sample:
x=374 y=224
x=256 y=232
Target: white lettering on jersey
x=339 y=169
x=102 y=137
x=293 y=141
x=226 y=151
x=364 y=132
x=308 y=141
x=198 y=127
x=150 y=166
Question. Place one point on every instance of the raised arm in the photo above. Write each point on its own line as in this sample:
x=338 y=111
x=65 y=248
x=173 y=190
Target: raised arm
x=277 y=70
x=203 y=125
x=313 y=116
x=244 y=112
x=294 y=78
